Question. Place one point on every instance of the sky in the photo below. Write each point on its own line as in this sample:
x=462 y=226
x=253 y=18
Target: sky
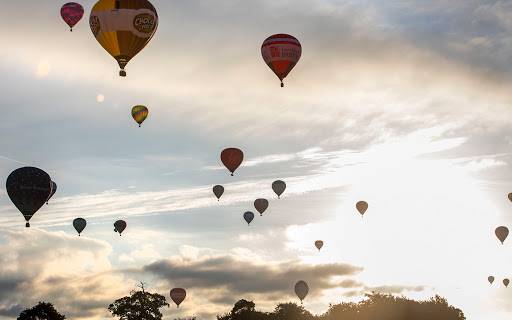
x=404 y=104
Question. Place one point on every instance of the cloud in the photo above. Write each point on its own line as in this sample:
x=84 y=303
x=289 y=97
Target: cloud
x=320 y=170
x=244 y=277
x=36 y=265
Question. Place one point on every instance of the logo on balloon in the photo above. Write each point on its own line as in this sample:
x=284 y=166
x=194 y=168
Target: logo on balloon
x=94 y=22
x=144 y=23
x=274 y=52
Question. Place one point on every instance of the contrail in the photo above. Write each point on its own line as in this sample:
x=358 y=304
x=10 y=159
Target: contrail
x=9 y=159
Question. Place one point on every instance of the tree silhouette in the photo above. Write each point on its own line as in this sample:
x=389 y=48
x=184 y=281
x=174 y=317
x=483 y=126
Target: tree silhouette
x=41 y=311
x=376 y=306
x=285 y=311
x=244 y=310
x=140 y=305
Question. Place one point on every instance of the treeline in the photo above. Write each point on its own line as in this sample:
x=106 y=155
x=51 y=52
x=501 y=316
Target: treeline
x=141 y=305
x=375 y=307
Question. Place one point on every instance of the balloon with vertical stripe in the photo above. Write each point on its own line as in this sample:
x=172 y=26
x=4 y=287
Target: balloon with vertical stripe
x=123 y=27
x=139 y=114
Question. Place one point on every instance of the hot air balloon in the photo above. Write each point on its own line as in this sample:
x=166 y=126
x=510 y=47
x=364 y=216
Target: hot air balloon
x=139 y=114
x=261 y=205
x=178 y=295
x=278 y=186
x=501 y=233
x=281 y=52
x=53 y=187
x=506 y=282
x=123 y=27
x=79 y=224
x=71 y=13
x=119 y=226
x=28 y=188
x=218 y=191
x=232 y=158
x=319 y=244
x=301 y=290
x=248 y=216
x=490 y=279
x=362 y=206
x=510 y=196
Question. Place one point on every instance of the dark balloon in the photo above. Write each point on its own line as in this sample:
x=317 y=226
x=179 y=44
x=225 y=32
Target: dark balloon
x=261 y=205
x=119 y=226
x=501 y=233
x=52 y=192
x=248 y=216
x=301 y=290
x=510 y=196
x=71 y=13
x=490 y=279
x=279 y=186
x=232 y=158
x=506 y=282
x=362 y=206
x=178 y=295
x=218 y=191
x=319 y=244
x=28 y=188
x=79 y=224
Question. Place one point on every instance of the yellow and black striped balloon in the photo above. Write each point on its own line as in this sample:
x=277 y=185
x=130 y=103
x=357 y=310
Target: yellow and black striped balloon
x=123 y=27
x=139 y=114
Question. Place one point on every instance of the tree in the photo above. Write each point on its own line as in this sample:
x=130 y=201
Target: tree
x=286 y=311
x=244 y=310
x=41 y=311
x=140 y=305
x=375 y=306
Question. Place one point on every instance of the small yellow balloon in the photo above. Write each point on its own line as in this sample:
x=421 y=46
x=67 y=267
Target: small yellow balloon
x=139 y=114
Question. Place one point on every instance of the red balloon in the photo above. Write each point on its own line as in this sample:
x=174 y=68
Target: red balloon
x=178 y=295
x=232 y=158
x=281 y=53
x=72 y=12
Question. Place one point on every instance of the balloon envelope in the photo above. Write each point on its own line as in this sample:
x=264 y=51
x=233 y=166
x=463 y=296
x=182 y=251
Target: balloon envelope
x=510 y=196
x=79 y=224
x=71 y=13
x=248 y=216
x=281 y=52
x=261 y=205
x=490 y=279
x=506 y=282
x=319 y=244
x=178 y=295
x=139 y=114
x=232 y=158
x=279 y=186
x=218 y=191
x=53 y=187
x=501 y=233
x=119 y=226
x=123 y=27
x=301 y=290
x=362 y=206
x=28 y=188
